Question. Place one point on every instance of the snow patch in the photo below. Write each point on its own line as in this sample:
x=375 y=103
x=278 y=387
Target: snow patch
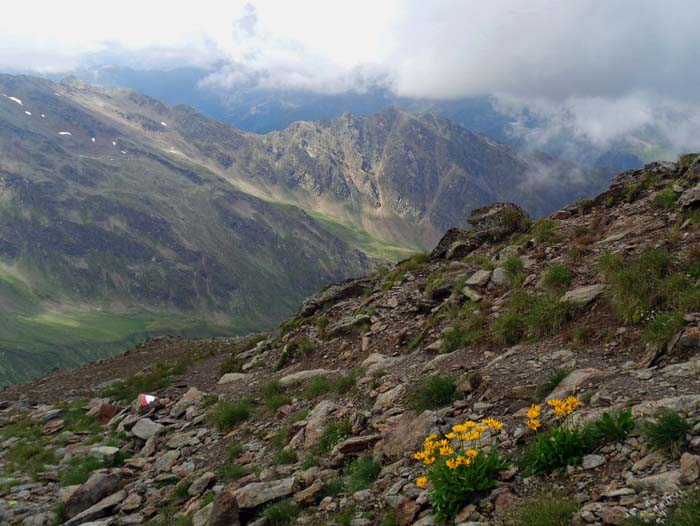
x=123 y=151
x=28 y=112
x=57 y=94
x=43 y=116
x=114 y=143
x=65 y=133
x=92 y=139
x=162 y=123
x=18 y=101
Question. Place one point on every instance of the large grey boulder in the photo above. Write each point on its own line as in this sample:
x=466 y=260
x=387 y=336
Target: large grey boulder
x=257 y=493
x=92 y=491
x=146 y=428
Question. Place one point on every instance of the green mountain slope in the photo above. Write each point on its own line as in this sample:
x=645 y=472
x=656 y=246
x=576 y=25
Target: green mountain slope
x=103 y=241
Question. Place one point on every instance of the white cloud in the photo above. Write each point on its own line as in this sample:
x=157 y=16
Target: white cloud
x=597 y=69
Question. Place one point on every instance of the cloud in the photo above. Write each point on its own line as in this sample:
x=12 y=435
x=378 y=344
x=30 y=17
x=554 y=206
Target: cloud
x=590 y=69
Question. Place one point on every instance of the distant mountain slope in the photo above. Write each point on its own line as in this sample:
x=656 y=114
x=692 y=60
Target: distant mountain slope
x=121 y=216
x=261 y=110
x=401 y=177
x=103 y=237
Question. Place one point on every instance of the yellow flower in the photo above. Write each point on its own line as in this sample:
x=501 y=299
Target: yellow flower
x=452 y=463
x=492 y=423
x=422 y=482
x=429 y=460
x=471 y=453
x=534 y=411
x=451 y=436
x=446 y=451
x=534 y=424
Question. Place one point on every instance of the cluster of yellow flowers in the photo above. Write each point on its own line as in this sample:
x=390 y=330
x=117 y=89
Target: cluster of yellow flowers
x=561 y=408
x=458 y=455
x=564 y=407
x=533 y=415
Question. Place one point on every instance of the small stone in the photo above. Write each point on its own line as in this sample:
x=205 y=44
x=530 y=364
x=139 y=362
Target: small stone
x=689 y=468
x=232 y=377
x=592 y=461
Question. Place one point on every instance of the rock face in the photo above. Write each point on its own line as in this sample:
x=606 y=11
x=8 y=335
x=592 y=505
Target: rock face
x=494 y=222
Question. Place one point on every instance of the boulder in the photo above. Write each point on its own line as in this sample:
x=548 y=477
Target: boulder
x=347 y=289
x=97 y=511
x=663 y=483
x=316 y=420
x=166 y=461
x=480 y=278
x=257 y=493
x=573 y=381
x=456 y=242
x=92 y=491
x=224 y=510
x=355 y=445
x=497 y=221
x=387 y=399
x=408 y=434
x=201 y=484
x=232 y=377
x=146 y=428
x=582 y=296
x=302 y=376
x=192 y=397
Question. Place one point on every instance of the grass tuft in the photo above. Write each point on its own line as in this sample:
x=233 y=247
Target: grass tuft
x=666 y=430
x=439 y=390
x=546 y=511
x=227 y=415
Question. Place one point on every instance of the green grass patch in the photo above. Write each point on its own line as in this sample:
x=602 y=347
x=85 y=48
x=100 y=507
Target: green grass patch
x=515 y=270
x=286 y=456
x=274 y=395
x=333 y=433
x=361 y=474
x=281 y=513
x=665 y=199
x=438 y=391
x=318 y=386
x=227 y=415
x=612 y=426
x=557 y=278
x=666 y=430
x=556 y=448
x=372 y=246
x=546 y=511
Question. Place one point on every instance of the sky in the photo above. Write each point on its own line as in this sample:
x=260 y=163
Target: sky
x=601 y=68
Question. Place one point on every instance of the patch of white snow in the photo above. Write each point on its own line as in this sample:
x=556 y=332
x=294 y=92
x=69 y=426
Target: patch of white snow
x=65 y=133
x=92 y=139
x=162 y=123
x=43 y=116
x=18 y=101
x=28 y=112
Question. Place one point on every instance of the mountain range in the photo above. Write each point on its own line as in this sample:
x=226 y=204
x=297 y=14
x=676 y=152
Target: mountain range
x=252 y=107
x=122 y=216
